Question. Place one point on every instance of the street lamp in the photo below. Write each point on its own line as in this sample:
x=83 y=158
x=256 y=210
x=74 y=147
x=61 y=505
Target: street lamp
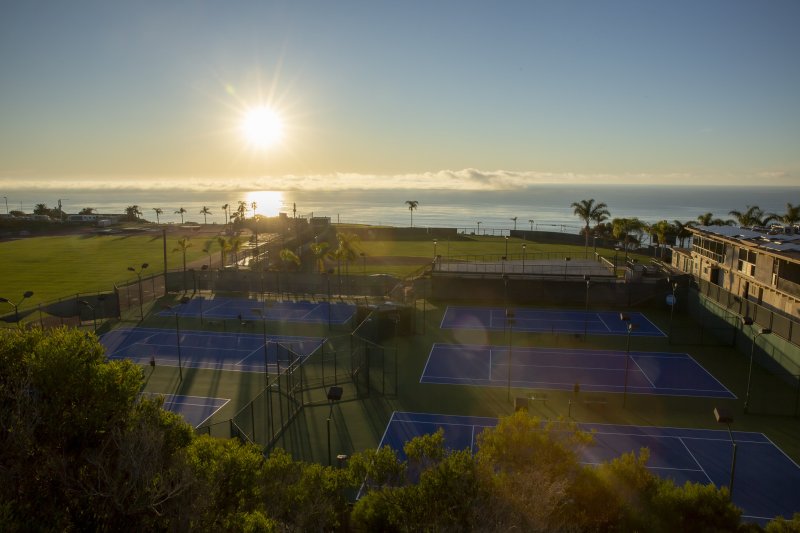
x=25 y=295
x=586 y=311
x=724 y=417
x=334 y=395
x=523 y=257
x=94 y=314
x=174 y=310
x=757 y=333
x=328 y=278
x=672 y=302
x=141 y=294
x=435 y=242
x=630 y=327
x=566 y=262
x=260 y=313
x=510 y=322
x=479 y=227
x=506 y=254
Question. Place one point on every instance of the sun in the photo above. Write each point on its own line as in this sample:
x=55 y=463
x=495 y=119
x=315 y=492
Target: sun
x=262 y=127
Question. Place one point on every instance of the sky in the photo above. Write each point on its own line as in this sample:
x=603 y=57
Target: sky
x=469 y=95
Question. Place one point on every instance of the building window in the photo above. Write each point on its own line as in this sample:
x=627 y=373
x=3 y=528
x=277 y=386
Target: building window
x=747 y=262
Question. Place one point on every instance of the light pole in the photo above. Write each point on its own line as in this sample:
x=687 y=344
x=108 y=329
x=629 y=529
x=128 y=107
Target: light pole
x=479 y=227
x=260 y=313
x=672 y=302
x=435 y=242
x=141 y=294
x=566 y=262
x=586 y=311
x=6 y=199
x=724 y=417
x=523 y=257
x=630 y=327
x=334 y=395
x=25 y=295
x=174 y=310
x=94 y=314
x=756 y=333
x=328 y=278
x=510 y=323
x=506 y=254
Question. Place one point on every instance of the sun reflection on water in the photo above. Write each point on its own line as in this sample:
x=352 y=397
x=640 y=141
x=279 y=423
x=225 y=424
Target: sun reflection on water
x=268 y=203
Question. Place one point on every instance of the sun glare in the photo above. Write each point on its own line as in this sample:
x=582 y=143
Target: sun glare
x=268 y=203
x=262 y=127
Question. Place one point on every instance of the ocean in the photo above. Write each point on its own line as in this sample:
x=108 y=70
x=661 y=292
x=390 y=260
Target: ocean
x=544 y=207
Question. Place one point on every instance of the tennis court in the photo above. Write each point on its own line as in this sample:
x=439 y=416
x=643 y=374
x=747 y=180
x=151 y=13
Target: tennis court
x=549 y=321
x=765 y=480
x=195 y=409
x=662 y=373
x=222 y=308
x=237 y=352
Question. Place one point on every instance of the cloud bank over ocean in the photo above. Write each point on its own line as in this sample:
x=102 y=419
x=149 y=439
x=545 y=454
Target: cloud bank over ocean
x=464 y=180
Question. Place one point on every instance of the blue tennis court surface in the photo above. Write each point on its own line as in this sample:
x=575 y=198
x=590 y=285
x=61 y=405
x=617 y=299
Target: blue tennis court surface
x=663 y=373
x=220 y=351
x=549 y=321
x=766 y=479
x=195 y=409
x=222 y=308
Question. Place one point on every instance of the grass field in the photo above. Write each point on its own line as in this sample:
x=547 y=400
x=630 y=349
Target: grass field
x=55 y=267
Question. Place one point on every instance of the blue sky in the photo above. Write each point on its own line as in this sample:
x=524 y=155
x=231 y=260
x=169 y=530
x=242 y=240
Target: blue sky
x=473 y=95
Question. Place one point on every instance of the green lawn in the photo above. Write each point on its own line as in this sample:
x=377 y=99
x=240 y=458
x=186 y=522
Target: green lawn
x=54 y=267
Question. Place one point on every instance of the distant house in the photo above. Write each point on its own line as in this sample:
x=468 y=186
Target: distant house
x=761 y=266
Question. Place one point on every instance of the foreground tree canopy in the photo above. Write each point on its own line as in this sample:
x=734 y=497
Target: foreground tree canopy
x=80 y=450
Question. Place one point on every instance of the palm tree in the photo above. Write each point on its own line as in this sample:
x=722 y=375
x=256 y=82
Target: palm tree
x=682 y=230
x=41 y=209
x=412 y=204
x=753 y=216
x=661 y=229
x=708 y=219
x=180 y=212
x=183 y=245
x=531 y=221
x=628 y=230
x=205 y=212
x=86 y=211
x=588 y=211
x=253 y=206
x=515 y=222
x=224 y=247
x=225 y=208
x=792 y=215
x=289 y=257
x=234 y=245
x=159 y=212
x=320 y=253
x=133 y=212
x=346 y=252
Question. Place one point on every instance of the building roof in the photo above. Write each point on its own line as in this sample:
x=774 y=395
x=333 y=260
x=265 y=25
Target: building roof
x=777 y=241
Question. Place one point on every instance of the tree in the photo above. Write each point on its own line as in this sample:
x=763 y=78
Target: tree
x=790 y=217
x=87 y=211
x=752 y=216
x=224 y=248
x=320 y=251
x=289 y=258
x=183 y=245
x=627 y=230
x=225 y=208
x=588 y=211
x=515 y=222
x=253 y=206
x=682 y=230
x=235 y=244
x=346 y=251
x=661 y=229
x=132 y=212
x=412 y=204
x=708 y=219
x=531 y=221
x=41 y=209
x=159 y=212
x=180 y=212
x=205 y=212
x=81 y=450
